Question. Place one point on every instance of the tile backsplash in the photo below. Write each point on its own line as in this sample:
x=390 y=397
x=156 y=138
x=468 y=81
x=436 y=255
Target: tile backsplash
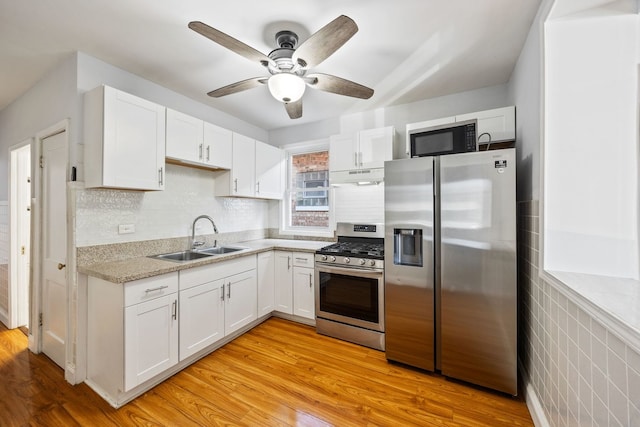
x=581 y=372
x=189 y=192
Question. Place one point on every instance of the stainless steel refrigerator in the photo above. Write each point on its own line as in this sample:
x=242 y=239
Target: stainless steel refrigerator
x=450 y=266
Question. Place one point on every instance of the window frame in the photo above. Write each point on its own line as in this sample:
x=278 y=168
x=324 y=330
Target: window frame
x=285 y=205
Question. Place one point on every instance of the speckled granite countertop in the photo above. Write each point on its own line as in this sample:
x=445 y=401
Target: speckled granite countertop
x=142 y=267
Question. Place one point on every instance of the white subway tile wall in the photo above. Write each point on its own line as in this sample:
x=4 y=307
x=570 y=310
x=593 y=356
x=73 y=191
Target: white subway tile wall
x=189 y=192
x=4 y=257
x=582 y=374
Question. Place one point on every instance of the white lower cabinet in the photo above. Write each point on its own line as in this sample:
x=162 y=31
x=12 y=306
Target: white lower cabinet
x=294 y=277
x=215 y=301
x=201 y=317
x=132 y=332
x=266 y=283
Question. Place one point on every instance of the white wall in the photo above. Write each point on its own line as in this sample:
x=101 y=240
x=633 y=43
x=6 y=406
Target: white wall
x=397 y=116
x=45 y=104
x=591 y=153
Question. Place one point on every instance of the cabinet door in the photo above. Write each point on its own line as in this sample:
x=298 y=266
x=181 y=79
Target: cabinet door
x=283 y=282
x=343 y=152
x=243 y=166
x=150 y=339
x=201 y=317
x=494 y=125
x=375 y=147
x=269 y=168
x=218 y=146
x=134 y=142
x=241 y=298
x=266 y=283
x=303 y=292
x=184 y=137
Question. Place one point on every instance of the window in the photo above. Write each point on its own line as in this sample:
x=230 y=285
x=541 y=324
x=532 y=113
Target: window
x=307 y=207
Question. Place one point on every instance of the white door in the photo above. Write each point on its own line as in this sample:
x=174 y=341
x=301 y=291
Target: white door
x=241 y=305
x=343 y=154
x=269 y=167
x=150 y=339
x=20 y=234
x=201 y=317
x=243 y=170
x=54 y=246
x=266 y=283
x=283 y=282
x=375 y=147
x=303 y=293
x=184 y=137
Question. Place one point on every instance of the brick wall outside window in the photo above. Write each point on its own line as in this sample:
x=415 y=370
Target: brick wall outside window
x=308 y=162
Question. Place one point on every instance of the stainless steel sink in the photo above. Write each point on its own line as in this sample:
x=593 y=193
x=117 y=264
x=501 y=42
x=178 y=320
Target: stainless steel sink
x=218 y=250
x=182 y=256
x=197 y=254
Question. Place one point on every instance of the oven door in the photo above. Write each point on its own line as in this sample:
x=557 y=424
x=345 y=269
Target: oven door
x=350 y=295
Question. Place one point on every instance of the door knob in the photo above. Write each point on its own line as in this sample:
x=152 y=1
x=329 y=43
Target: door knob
x=61 y=266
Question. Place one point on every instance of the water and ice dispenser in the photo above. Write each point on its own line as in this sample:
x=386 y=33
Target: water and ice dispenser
x=407 y=246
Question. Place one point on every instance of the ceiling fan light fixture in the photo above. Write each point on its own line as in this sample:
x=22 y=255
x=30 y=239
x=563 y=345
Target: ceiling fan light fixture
x=286 y=87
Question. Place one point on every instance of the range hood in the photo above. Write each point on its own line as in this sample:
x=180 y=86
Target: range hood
x=357 y=176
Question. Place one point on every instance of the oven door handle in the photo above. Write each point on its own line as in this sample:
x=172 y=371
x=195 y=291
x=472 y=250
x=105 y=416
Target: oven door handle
x=360 y=272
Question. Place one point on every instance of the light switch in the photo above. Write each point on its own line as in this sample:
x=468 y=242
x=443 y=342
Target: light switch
x=126 y=228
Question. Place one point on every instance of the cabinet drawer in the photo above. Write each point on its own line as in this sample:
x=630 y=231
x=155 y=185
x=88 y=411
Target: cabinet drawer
x=151 y=288
x=303 y=259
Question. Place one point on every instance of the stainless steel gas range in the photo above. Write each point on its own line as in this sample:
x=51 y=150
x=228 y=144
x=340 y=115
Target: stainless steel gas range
x=350 y=285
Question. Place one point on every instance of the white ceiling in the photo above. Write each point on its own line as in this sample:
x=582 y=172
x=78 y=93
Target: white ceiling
x=406 y=50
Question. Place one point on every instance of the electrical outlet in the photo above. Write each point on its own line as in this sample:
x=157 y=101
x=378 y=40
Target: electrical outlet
x=126 y=228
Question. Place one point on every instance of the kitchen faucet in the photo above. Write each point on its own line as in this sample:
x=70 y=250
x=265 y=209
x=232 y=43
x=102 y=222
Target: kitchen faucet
x=194 y=243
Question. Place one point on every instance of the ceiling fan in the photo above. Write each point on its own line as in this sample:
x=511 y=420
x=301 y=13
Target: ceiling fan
x=288 y=65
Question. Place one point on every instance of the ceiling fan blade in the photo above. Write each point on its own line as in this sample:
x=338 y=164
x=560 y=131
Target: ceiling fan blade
x=324 y=42
x=238 y=86
x=294 y=109
x=334 y=84
x=230 y=43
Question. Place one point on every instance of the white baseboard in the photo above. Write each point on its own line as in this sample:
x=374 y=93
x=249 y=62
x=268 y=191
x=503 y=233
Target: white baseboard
x=533 y=402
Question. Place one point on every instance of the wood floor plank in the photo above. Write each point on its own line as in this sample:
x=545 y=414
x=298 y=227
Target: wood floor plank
x=278 y=374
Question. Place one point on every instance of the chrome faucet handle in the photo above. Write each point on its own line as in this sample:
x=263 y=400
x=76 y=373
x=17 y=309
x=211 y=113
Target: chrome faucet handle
x=198 y=243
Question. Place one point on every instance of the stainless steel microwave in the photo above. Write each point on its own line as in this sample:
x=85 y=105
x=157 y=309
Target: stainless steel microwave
x=450 y=138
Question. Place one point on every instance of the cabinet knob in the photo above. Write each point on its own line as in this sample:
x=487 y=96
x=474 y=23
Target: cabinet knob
x=61 y=266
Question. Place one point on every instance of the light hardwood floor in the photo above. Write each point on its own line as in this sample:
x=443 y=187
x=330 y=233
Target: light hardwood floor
x=278 y=374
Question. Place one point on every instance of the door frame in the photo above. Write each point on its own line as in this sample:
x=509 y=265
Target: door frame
x=35 y=332
x=14 y=292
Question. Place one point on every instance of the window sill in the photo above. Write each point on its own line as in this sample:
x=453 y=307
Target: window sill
x=615 y=302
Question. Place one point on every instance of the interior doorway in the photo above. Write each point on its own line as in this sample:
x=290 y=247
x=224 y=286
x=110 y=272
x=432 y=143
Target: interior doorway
x=20 y=226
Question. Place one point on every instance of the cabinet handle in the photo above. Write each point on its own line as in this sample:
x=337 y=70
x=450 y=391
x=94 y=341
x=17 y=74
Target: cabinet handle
x=159 y=288
x=174 y=310
x=288 y=263
x=235 y=185
x=200 y=151
x=360 y=155
x=208 y=153
x=355 y=158
x=310 y=281
x=161 y=176
x=229 y=290
x=258 y=187
x=222 y=297
x=301 y=259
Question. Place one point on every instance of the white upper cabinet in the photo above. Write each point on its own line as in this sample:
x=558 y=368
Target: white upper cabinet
x=218 y=146
x=256 y=170
x=366 y=149
x=196 y=142
x=269 y=171
x=124 y=141
x=494 y=125
x=184 y=137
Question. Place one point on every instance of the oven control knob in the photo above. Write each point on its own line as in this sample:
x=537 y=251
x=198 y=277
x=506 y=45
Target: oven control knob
x=333 y=259
x=372 y=263
x=324 y=257
x=346 y=260
x=362 y=261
